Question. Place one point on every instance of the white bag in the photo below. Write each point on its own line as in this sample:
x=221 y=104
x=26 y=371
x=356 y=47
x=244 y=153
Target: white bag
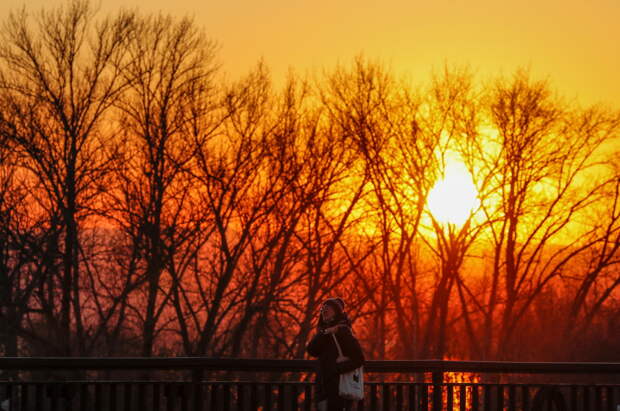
x=351 y=386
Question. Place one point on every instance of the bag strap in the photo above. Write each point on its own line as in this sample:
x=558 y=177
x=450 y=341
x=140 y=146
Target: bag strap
x=337 y=345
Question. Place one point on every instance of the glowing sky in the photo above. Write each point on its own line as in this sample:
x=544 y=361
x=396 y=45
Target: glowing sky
x=574 y=43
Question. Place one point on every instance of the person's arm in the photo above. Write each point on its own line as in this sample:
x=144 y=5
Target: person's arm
x=351 y=349
x=316 y=344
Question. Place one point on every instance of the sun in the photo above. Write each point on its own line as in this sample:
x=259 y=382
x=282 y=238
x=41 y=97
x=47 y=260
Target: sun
x=454 y=197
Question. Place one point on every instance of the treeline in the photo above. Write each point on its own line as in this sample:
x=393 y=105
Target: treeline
x=151 y=207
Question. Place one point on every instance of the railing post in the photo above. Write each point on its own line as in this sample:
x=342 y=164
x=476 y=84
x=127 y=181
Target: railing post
x=437 y=390
x=197 y=394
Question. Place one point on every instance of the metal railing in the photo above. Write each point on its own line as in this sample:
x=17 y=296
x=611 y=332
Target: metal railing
x=199 y=384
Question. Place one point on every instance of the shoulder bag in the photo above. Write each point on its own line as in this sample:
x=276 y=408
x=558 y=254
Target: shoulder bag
x=351 y=385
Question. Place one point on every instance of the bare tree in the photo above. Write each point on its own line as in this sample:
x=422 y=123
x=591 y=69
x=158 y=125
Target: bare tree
x=58 y=79
x=535 y=175
x=169 y=72
x=18 y=247
x=328 y=185
x=592 y=282
x=237 y=199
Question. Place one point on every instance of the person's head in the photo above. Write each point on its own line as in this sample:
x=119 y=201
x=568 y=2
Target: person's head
x=331 y=309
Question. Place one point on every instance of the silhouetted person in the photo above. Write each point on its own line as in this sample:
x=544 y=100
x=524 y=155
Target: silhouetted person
x=334 y=320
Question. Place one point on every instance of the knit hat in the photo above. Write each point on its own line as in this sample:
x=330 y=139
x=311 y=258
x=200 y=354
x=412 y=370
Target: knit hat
x=336 y=303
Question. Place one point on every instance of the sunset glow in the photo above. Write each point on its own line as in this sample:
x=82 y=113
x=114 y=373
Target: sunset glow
x=454 y=197
x=198 y=179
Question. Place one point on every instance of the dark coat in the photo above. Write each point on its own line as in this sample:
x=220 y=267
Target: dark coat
x=323 y=346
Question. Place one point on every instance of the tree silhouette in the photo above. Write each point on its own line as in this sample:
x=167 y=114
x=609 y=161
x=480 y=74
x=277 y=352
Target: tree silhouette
x=58 y=81
x=149 y=205
x=169 y=71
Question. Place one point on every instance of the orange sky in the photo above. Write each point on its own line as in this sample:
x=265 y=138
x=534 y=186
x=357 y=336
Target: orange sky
x=575 y=43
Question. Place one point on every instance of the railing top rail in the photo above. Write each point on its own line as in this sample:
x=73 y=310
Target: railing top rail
x=272 y=365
